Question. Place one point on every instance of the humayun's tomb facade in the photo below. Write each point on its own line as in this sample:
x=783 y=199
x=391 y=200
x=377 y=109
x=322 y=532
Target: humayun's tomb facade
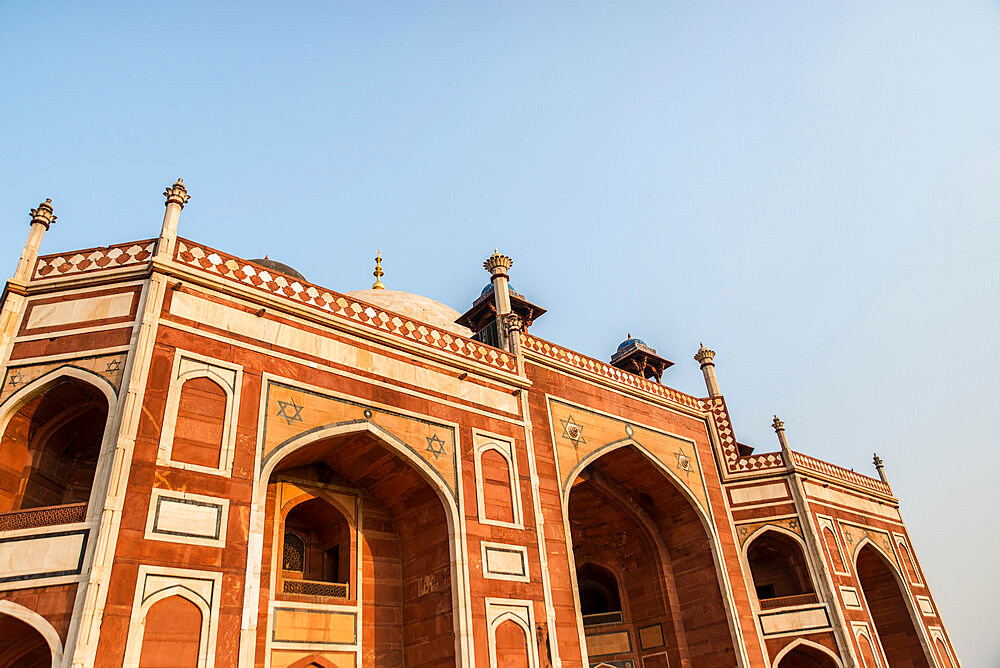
x=209 y=461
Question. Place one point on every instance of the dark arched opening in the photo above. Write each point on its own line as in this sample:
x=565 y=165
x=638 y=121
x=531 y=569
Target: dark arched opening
x=51 y=446
x=399 y=567
x=806 y=656
x=626 y=512
x=21 y=645
x=888 y=609
x=779 y=571
x=316 y=555
x=600 y=602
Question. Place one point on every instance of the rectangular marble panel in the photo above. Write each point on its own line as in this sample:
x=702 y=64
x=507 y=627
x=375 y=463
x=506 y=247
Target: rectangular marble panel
x=651 y=637
x=328 y=627
x=850 y=596
x=842 y=498
x=31 y=557
x=795 y=620
x=506 y=562
x=186 y=517
x=615 y=642
x=768 y=492
x=82 y=310
x=926 y=607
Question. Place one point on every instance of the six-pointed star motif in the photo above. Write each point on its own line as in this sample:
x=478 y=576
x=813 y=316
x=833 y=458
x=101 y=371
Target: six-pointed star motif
x=435 y=445
x=289 y=410
x=573 y=431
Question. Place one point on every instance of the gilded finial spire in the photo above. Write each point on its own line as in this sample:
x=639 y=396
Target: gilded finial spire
x=378 y=273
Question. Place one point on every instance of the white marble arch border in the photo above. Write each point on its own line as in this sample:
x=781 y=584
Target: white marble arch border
x=96 y=518
x=40 y=624
x=175 y=582
x=482 y=442
x=904 y=591
x=521 y=613
x=702 y=513
x=229 y=378
x=464 y=652
x=748 y=575
x=802 y=642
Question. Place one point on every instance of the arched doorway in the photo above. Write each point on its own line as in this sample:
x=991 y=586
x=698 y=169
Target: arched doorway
x=21 y=645
x=807 y=655
x=645 y=565
x=893 y=624
x=355 y=528
x=51 y=445
x=779 y=570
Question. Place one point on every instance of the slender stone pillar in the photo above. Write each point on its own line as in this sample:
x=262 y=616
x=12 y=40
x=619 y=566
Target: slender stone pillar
x=41 y=219
x=177 y=197
x=877 y=461
x=498 y=265
x=705 y=357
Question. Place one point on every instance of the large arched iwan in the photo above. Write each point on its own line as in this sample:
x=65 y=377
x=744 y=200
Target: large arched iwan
x=51 y=444
x=899 y=637
x=407 y=598
x=656 y=537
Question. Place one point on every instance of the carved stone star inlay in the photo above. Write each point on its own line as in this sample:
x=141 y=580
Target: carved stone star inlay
x=113 y=367
x=435 y=446
x=290 y=411
x=683 y=462
x=15 y=379
x=573 y=432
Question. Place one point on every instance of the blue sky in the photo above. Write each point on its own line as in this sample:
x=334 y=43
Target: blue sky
x=810 y=188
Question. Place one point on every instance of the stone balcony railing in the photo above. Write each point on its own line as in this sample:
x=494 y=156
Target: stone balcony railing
x=788 y=601
x=33 y=518
x=316 y=588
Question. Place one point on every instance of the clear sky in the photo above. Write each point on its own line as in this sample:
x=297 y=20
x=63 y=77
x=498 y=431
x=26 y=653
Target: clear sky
x=808 y=187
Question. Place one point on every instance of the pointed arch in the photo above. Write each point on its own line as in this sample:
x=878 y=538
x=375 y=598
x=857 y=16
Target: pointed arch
x=803 y=642
x=24 y=394
x=450 y=500
x=692 y=637
x=794 y=576
x=40 y=624
x=889 y=605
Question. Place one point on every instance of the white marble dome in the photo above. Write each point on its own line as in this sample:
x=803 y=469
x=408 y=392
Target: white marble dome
x=414 y=306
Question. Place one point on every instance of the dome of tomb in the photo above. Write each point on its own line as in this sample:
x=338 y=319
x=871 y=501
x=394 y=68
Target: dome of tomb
x=279 y=267
x=631 y=343
x=414 y=306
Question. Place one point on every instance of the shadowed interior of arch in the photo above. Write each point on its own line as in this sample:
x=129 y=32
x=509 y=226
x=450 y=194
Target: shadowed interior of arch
x=21 y=645
x=806 y=656
x=50 y=447
x=627 y=516
x=778 y=566
x=893 y=623
x=406 y=581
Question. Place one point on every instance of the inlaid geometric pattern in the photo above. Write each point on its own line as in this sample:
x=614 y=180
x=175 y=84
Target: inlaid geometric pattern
x=94 y=259
x=744 y=531
x=110 y=367
x=293 y=412
x=327 y=301
x=730 y=450
x=602 y=431
x=854 y=534
x=600 y=368
x=834 y=471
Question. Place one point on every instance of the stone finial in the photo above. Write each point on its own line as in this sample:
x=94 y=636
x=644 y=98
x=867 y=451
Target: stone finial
x=704 y=356
x=43 y=214
x=879 y=467
x=777 y=424
x=177 y=194
x=497 y=264
x=378 y=273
